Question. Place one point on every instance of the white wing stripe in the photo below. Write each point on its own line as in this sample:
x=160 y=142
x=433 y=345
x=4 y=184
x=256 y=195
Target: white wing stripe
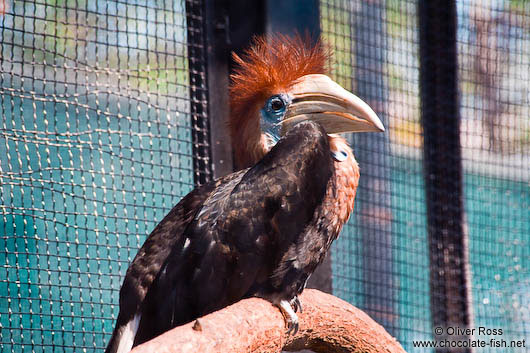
x=128 y=334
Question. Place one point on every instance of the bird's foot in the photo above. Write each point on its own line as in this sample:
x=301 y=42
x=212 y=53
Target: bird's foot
x=289 y=315
x=295 y=303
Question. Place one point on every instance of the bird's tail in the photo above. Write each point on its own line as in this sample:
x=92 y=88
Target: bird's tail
x=122 y=339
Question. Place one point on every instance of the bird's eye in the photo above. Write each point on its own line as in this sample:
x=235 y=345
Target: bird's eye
x=277 y=104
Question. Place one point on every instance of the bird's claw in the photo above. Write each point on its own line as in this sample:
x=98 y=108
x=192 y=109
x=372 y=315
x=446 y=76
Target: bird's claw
x=295 y=303
x=292 y=328
x=289 y=315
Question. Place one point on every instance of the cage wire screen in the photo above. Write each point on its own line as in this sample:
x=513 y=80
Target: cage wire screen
x=97 y=125
x=95 y=148
x=494 y=67
x=381 y=261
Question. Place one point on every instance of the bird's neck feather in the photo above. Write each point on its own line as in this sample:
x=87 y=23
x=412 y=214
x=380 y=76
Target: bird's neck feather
x=252 y=145
x=342 y=198
x=248 y=142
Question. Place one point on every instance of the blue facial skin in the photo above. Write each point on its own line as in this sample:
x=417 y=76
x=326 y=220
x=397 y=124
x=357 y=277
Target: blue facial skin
x=272 y=114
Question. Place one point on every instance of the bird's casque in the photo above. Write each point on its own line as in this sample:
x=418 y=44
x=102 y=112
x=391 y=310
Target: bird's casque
x=263 y=230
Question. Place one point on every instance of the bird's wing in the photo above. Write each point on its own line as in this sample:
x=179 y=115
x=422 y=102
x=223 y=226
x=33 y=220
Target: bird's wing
x=153 y=254
x=232 y=247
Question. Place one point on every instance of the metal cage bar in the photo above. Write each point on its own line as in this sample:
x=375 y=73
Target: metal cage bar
x=202 y=165
x=440 y=116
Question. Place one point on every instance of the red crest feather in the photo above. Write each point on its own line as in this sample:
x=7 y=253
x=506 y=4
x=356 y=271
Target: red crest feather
x=271 y=65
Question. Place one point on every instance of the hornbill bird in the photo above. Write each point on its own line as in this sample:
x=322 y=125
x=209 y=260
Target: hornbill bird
x=263 y=230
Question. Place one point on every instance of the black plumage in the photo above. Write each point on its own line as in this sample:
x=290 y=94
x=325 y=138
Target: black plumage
x=257 y=232
x=261 y=231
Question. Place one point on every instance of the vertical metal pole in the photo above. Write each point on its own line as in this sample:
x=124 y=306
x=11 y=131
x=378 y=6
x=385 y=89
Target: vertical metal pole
x=291 y=17
x=247 y=19
x=374 y=212
x=215 y=29
x=195 y=16
x=449 y=280
x=218 y=59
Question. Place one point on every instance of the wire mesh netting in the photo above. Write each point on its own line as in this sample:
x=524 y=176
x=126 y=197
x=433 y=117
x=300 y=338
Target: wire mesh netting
x=494 y=67
x=102 y=108
x=95 y=148
x=381 y=261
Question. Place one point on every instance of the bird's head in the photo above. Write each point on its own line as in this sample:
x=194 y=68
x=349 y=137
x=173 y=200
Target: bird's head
x=280 y=82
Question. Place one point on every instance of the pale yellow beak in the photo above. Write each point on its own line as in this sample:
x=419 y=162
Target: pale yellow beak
x=318 y=98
